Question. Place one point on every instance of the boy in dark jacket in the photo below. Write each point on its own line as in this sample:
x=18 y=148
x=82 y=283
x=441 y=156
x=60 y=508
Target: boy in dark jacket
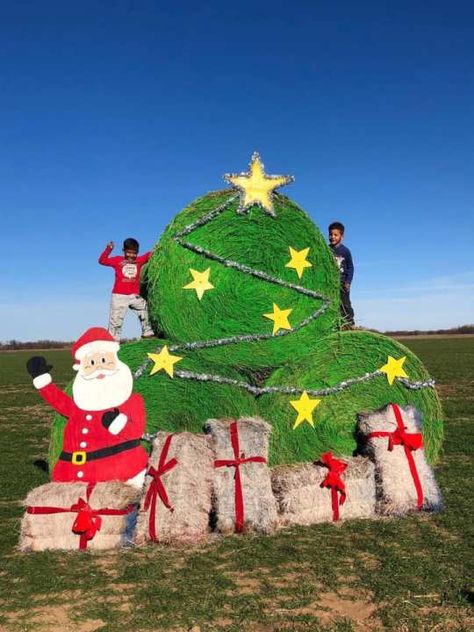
x=343 y=259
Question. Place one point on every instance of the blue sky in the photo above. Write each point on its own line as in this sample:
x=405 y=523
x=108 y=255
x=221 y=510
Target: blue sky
x=115 y=115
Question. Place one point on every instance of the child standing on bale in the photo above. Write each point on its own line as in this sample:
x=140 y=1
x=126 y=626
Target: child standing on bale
x=343 y=259
x=126 y=290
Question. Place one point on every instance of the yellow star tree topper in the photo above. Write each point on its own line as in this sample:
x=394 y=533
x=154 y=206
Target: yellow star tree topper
x=299 y=261
x=393 y=368
x=256 y=187
x=164 y=361
x=304 y=406
x=280 y=318
x=200 y=282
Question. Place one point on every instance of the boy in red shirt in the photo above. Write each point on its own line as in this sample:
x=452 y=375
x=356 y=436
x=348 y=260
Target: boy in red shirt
x=126 y=290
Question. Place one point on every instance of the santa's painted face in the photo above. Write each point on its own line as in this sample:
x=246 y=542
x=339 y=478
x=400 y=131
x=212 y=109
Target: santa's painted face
x=97 y=366
x=102 y=381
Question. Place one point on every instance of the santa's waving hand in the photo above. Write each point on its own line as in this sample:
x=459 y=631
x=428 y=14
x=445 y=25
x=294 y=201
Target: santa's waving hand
x=105 y=421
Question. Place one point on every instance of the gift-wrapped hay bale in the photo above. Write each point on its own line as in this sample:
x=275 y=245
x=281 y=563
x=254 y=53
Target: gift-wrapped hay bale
x=308 y=493
x=243 y=498
x=392 y=438
x=178 y=490
x=75 y=516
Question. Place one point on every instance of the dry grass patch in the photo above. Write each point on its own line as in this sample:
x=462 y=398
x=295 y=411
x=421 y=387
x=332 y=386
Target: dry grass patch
x=50 y=619
x=347 y=603
x=246 y=585
x=370 y=561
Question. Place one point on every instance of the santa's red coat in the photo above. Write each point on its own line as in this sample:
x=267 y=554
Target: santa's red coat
x=84 y=432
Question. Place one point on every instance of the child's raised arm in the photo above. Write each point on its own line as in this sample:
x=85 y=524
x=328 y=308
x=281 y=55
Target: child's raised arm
x=104 y=257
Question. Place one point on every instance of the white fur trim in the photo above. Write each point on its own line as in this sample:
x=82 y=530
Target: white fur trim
x=42 y=380
x=138 y=480
x=118 y=423
x=97 y=346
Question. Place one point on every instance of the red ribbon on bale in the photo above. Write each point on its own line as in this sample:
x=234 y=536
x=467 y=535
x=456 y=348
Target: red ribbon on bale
x=88 y=521
x=157 y=489
x=334 y=482
x=237 y=461
x=410 y=441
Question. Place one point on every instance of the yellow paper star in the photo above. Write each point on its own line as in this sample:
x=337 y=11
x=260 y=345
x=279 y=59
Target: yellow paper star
x=280 y=318
x=256 y=187
x=304 y=406
x=393 y=368
x=298 y=261
x=163 y=360
x=200 y=282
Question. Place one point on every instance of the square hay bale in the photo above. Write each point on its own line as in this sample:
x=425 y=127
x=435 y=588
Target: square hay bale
x=302 y=499
x=243 y=498
x=392 y=438
x=177 y=497
x=55 y=509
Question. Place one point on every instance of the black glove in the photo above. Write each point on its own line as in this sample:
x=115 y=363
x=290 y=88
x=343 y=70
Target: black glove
x=109 y=416
x=37 y=366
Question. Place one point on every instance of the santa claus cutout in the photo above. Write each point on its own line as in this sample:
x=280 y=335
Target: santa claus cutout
x=105 y=421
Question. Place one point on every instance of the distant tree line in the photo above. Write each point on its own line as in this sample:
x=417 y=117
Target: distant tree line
x=14 y=345
x=463 y=329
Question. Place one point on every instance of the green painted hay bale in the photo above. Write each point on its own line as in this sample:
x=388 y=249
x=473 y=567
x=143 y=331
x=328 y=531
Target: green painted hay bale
x=239 y=300
x=177 y=404
x=173 y=404
x=57 y=431
x=339 y=357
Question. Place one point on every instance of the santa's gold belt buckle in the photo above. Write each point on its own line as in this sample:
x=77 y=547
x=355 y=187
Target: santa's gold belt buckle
x=79 y=458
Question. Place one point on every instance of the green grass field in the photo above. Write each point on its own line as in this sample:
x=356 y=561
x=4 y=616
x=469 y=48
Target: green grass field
x=404 y=574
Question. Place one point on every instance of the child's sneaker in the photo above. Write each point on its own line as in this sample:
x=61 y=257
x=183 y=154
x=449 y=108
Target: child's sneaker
x=148 y=335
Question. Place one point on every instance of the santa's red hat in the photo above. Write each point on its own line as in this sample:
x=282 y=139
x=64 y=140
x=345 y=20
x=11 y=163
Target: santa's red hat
x=92 y=340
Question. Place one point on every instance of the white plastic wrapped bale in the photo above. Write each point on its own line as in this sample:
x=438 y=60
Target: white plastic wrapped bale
x=243 y=498
x=73 y=516
x=392 y=438
x=308 y=493
x=177 y=499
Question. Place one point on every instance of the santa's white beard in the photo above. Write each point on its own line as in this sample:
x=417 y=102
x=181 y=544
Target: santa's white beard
x=113 y=390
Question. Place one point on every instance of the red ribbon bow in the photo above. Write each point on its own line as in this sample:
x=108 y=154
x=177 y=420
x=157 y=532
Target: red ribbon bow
x=237 y=461
x=157 y=489
x=88 y=520
x=410 y=441
x=334 y=482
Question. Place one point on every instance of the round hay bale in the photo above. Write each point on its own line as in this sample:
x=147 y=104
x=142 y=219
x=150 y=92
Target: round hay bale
x=338 y=357
x=255 y=241
x=177 y=404
x=173 y=404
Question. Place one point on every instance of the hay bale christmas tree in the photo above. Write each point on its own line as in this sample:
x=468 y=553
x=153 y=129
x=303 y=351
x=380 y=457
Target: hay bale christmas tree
x=246 y=292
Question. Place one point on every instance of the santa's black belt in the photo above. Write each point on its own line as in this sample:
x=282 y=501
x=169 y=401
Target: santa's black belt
x=81 y=457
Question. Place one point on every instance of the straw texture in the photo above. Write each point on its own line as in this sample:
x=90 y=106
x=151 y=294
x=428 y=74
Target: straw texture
x=302 y=500
x=396 y=491
x=260 y=510
x=54 y=531
x=188 y=486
